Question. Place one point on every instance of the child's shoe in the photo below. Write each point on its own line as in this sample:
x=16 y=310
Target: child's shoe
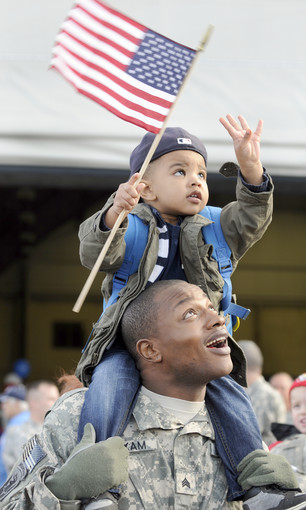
x=272 y=497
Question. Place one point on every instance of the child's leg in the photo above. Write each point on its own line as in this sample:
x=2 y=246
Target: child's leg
x=110 y=399
x=235 y=424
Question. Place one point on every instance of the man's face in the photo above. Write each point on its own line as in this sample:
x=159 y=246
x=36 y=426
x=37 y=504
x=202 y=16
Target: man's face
x=46 y=396
x=193 y=336
x=10 y=407
x=282 y=383
x=298 y=408
x=178 y=183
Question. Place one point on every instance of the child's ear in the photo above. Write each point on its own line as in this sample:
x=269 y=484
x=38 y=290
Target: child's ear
x=147 y=193
x=147 y=350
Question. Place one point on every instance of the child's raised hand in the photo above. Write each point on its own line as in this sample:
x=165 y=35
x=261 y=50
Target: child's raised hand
x=126 y=198
x=247 y=147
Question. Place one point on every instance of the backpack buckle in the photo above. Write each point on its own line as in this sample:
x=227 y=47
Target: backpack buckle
x=224 y=263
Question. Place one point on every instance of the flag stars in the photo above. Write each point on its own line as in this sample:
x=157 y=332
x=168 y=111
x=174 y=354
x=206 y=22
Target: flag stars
x=160 y=63
x=140 y=91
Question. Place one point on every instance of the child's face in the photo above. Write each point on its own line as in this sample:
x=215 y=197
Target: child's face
x=298 y=408
x=177 y=184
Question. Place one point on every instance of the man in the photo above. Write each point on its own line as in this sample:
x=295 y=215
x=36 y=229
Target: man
x=268 y=404
x=179 y=343
x=281 y=382
x=15 y=411
x=293 y=441
x=40 y=396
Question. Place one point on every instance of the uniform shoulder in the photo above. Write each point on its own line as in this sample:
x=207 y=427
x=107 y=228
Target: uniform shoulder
x=70 y=402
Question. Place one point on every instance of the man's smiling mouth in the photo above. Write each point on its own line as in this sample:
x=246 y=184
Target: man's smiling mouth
x=217 y=342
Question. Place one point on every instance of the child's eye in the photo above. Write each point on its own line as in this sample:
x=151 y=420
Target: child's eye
x=202 y=175
x=180 y=172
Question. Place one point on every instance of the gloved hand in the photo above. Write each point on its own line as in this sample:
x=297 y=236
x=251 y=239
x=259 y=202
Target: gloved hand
x=91 y=469
x=261 y=468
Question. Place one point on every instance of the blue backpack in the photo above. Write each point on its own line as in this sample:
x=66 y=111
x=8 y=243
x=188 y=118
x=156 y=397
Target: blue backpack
x=136 y=238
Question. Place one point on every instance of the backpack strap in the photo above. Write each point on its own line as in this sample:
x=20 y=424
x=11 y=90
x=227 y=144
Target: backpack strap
x=136 y=238
x=213 y=235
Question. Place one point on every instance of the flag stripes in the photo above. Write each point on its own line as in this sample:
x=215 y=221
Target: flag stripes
x=125 y=67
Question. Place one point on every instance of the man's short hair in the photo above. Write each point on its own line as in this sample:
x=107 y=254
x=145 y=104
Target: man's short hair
x=33 y=387
x=140 y=319
x=252 y=353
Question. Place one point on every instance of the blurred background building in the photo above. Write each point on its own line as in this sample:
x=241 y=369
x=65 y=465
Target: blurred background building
x=61 y=155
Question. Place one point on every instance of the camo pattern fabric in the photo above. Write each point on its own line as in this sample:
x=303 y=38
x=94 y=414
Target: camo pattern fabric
x=16 y=438
x=294 y=450
x=25 y=488
x=269 y=407
x=171 y=466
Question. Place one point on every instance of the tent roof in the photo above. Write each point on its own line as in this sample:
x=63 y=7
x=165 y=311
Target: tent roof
x=255 y=64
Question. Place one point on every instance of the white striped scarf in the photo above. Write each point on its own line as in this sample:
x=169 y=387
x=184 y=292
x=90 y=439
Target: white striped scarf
x=163 y=249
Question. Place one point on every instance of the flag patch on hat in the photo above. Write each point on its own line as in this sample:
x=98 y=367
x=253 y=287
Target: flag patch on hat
x=185 y=141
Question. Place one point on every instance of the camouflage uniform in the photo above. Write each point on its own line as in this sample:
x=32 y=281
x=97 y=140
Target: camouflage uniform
x=25 y=488
x=268 y=405
x=171 y=466
x=294 y=450
x=16 y=438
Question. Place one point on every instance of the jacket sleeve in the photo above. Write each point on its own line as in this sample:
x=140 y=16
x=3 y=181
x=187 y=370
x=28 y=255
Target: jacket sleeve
x=14 y=442
x=25 y=487
x=92 y=240
x=245 y=221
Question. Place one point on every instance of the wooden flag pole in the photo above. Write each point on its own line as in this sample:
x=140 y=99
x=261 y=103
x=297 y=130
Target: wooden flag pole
x=93 y=273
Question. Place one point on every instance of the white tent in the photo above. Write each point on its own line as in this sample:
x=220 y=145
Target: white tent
x=255 y=64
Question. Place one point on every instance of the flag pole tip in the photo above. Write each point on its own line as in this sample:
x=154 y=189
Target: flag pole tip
x=206 y=37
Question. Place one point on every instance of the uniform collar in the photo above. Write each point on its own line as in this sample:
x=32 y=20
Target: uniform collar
x=149 y=414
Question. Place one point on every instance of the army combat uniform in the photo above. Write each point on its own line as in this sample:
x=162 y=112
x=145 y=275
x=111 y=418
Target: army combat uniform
x=294 y=450
x=268 y=405
x=16 y=438
x=172 y=466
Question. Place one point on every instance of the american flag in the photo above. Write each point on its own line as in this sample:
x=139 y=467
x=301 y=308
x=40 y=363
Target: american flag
x=132 y=71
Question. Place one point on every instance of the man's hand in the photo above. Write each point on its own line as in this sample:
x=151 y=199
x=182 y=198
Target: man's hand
x=92 y=468
x=261 y=468
x=247 y=147
x=126 y=198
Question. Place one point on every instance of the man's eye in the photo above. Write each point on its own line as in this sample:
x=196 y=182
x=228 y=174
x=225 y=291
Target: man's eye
x=189 y=313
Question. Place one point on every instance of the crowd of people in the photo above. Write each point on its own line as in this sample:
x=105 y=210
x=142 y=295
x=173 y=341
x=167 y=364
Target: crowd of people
x=168 y=411
x=23 y=411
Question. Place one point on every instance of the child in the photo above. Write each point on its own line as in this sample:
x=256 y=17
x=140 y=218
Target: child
x=298 y=403
x=293 y=444
x=173 y=191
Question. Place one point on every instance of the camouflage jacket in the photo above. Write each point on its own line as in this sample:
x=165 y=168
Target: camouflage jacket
x=243 y=222
x=171 y=465
x=16 y=438
x=294 y=450
x=269 y=407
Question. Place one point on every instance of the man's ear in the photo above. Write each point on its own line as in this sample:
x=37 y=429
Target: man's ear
x=148 y=351
x=147 y=192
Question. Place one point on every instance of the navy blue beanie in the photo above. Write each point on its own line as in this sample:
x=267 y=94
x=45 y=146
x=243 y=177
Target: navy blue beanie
x=173 y=139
